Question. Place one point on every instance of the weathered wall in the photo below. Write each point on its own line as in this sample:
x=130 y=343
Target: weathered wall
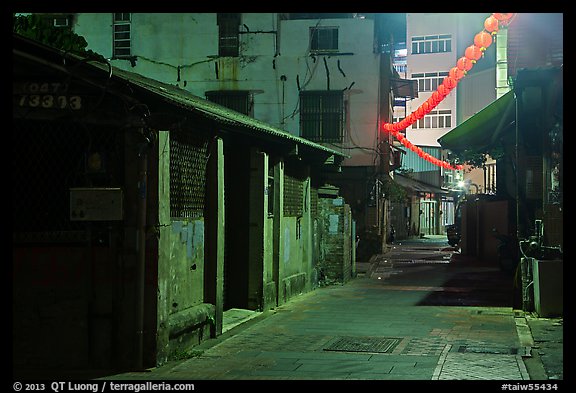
x=183 y=317
x=335 y=240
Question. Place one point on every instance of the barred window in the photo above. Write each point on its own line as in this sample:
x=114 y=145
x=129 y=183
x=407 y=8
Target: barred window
x=322 y=116
x=228 y=34
x=323 y=39
x=435 y=119
x=238 y=100
x=188 y=161
x=432 y=44
x=122 y=39
x=429 y=81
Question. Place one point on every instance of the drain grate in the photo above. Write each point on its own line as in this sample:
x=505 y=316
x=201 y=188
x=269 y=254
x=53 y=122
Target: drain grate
x=491 y=350
x=364 y=344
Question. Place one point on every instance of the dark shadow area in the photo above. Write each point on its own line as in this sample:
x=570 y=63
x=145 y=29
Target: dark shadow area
x=475 y=289
x=474 y=283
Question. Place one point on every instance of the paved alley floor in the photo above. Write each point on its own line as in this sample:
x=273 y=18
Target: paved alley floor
x=416 y=313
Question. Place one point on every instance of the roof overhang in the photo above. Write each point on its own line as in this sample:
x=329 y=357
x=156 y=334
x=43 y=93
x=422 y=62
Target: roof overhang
x=417 y=186
x=95 y=72
x=484 y=129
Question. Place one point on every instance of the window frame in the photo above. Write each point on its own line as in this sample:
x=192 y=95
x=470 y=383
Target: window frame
x=320 y=109
x=241 y=101
x=228 y=34
x=119 y=28
x=442 y=118
x=429 y=81
x=323 y=39
x=440 y=43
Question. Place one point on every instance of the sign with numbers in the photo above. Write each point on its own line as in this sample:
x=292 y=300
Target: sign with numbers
x=46 y=95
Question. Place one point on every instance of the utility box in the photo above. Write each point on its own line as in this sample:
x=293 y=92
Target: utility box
x=548 y=289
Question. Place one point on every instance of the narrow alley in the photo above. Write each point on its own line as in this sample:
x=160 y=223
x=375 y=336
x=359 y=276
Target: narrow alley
x=417 y=312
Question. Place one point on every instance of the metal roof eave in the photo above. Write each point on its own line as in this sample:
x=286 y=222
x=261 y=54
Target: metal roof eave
x=221 y=114
x=416 y=185
x=173 y=94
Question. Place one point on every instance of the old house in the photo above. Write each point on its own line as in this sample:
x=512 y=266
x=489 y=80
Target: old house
x=325 y=77
x=143 y=213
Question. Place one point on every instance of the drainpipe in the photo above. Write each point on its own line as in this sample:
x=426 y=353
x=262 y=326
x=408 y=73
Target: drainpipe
x=141 y=249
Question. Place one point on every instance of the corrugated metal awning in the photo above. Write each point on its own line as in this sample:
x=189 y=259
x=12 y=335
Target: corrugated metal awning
x=484 y=129
x=170 y=93
x=416 y=185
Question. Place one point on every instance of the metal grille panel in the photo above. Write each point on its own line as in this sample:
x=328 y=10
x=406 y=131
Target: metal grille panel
x=188 y=159
x=51 y=159
x=293 y=194
x=314 y=201
x=322 y=115
x=364 y=344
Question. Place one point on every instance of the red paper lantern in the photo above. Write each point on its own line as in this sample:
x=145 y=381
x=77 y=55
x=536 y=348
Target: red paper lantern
x=473 y=53
x=425 y=107
x=437 y=97
x=464 y=63
x=449 y=82
x=503 y=16
x=431 y=103
x=443 y=90
x=419 y=113
x=504 y=19
x=456 y=73
x=491 y=25
x=483 y=40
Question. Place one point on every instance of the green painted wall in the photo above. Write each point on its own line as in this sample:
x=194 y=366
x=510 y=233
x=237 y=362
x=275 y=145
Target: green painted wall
x=180 y=272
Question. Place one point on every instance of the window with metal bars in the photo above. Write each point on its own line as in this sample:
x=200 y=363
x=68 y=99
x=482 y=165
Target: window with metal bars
x=122 y=39
x=322 y=116
x=237 y=100
x=228 y=34
x=293 y=196
x=323 y=39
x=188 y=160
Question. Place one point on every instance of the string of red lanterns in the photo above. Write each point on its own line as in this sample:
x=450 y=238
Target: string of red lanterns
x=472 y=54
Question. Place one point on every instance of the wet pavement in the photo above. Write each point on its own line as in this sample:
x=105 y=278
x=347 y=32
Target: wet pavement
x=420 y=311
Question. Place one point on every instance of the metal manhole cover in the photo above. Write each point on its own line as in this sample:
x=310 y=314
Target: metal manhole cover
x=490 y=350
x=364 y=344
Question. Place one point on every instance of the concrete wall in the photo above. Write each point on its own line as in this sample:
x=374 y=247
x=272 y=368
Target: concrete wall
x=295 y=252
x=183 y=316
x=274 y=57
